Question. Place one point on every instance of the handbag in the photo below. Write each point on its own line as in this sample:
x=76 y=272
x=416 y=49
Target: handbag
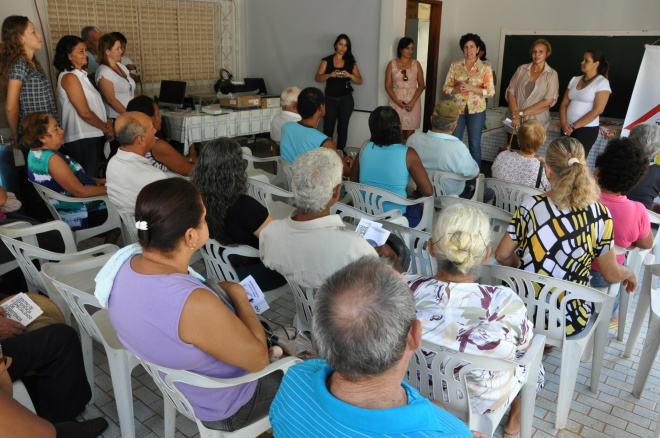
x=538 y=178
x=11 y=204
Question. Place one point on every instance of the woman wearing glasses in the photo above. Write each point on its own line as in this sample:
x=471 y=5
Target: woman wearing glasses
x=404 y=82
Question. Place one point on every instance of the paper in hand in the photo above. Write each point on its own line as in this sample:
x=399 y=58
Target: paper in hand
x=255 y=295
x=373 y=232
x=21 y=308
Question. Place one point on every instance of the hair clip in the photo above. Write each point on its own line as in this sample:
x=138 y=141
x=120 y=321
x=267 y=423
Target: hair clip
x=141 y=225
x=572 y=161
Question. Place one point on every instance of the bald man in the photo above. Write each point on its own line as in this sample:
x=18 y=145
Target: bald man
x=129 y=170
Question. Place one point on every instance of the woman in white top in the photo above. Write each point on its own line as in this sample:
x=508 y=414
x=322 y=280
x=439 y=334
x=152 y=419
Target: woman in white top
x=585 y=100
x=84 y=119
x=112 y=77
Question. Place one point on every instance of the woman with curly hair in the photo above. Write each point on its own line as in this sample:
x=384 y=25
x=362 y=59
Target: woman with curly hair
x=563 y=231
x=233 y=216
x=618 y=169
x=24 y=81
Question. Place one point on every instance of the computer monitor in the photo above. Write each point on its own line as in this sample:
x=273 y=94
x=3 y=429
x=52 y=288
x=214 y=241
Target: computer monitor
x=172 y=94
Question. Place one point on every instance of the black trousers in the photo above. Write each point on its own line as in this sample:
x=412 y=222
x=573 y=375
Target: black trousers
x=587 y=136
x=338 y=110
x=86 y=152
x=50 y=363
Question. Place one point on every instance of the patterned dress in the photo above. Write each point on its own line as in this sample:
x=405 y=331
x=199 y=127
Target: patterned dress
x=405 y=90
x=75 y=214
x=562 y=244
x=489 y=321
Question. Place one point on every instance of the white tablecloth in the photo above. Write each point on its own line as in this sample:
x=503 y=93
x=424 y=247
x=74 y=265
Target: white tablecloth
x=195 y=126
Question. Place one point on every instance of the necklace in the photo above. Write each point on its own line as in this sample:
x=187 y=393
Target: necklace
x=585 y=82
x=536 y=70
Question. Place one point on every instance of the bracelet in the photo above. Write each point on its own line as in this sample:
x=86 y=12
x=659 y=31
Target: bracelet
x=572 y=125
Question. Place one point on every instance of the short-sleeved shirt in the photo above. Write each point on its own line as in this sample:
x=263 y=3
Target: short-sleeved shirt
x=385 y=167
x=243 y=219
x=648 y=188
x=582 y=101
x=298 y=139
x=630 y=222
x=124 y=86
x=480 y=75
x=338 y=86
x=512 y=167
x=445 y=152
x=36 y=94
x=75 y=214
x=488 y=321
x=304 y=407
x=92 y=65
x=529 y=93
x=278 y=123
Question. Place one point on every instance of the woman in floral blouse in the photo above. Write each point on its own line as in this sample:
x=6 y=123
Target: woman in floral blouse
x=470 y=82
x=459 y=314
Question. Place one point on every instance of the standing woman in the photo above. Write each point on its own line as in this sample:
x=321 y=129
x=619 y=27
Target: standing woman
x=23 y=79
x=404 y=82
x=533 y=89
x=339 y=70
x=84 y=120
x=470 y=82
x=585 y=100
x=112 y=77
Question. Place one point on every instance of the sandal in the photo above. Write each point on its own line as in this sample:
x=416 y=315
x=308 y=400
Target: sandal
x=547 y=349
x=511 y=435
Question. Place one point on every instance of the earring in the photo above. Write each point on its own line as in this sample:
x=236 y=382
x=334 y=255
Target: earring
x=193 y=246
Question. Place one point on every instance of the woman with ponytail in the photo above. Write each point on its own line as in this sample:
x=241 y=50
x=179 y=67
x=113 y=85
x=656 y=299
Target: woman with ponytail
x=462 y=315
x=585 y=100
x=561 y=232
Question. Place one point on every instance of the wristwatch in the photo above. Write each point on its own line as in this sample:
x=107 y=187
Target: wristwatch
x=572 y=125
x=520 y=114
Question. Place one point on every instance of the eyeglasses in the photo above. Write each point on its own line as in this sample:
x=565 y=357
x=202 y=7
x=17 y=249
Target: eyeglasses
x=405 y=75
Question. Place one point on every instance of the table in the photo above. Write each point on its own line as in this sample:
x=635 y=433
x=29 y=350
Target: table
x=494 y=135
x=195 y=126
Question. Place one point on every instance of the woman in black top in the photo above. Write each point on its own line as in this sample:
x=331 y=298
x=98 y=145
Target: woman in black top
x=339 y=70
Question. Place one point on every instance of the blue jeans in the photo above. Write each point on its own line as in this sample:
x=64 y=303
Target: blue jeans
x=475 y=126
x=597 y=280
x=338 y=109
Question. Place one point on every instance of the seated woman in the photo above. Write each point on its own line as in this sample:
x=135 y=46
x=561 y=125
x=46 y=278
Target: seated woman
x=387 y=164
x=234 y=217
x=648 y=135
x=562 y=231
x=459 y=314
x=60 y=173
x=162 y=155
x=522 y=166
x=618 y=169
x=168 y=316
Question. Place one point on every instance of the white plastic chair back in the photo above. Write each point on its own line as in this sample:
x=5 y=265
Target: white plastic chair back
x=304 y=299
x=353 y=215
x=634 y=259
x=252 y=171
x=97 y=326
x=167 y=380
x=655 y=223
x=264 y=192
x=439 y=381
x=13 y=264
x=508 y=195
x=22 y=396
x=111 y=222
x=547 y=305
x=417 y=242
x=351 y=151
x=370 y=200
x=438 y=177
x=287 y=168
x=128 y=221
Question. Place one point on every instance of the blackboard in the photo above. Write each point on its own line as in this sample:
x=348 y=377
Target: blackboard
x=623 y=52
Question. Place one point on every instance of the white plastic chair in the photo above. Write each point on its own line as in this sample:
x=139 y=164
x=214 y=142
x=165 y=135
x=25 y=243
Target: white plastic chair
x=370 y=200
x=287 y=168
x=128 y=223
x=26 y=252
x=352 y=151
x=111 y=222
x=304 y=299
x=264 y=192
x=218 y=266
x=277 y=178
x=437 y=381
x=22 y=395
x=551 y=308
x=417 y=242
x=167 y=379
x=508 y=195
x=353 y=215
x=13 y=264
x=438 y=177
x=96 y=326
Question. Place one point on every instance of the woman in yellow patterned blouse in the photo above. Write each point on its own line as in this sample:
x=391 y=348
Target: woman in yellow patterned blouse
x=562 y=231
x=470 y=82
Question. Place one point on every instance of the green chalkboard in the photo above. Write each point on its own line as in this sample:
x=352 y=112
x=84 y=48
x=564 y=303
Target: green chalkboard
x=624 y=53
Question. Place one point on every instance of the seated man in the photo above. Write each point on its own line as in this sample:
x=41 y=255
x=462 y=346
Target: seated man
x=289 y=104
x=129 y=170
x=365 y=332
x=439 y=150
x=312 y=243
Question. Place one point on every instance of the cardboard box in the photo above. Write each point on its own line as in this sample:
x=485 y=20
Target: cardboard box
x=270 y=101
x=242 y=102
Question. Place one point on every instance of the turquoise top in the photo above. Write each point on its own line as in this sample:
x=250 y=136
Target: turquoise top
x=298 y=139
x=385 y=167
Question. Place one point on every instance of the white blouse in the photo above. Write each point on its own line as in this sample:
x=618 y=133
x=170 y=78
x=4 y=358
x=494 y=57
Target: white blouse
x=75 y=128
x=124 y=86
x=582 y=101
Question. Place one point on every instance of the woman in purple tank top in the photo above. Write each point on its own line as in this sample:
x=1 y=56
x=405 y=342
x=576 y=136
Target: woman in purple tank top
x=167 y=316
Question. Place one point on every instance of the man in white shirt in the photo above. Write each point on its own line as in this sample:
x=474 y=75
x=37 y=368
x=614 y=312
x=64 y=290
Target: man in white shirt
x=91 y=36
x=312 y=244
x=289 y=104
x=129 y=170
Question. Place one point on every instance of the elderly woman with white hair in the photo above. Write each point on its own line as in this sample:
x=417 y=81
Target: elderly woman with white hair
x=482 y=320
x=648 y=135
x=289 y=104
